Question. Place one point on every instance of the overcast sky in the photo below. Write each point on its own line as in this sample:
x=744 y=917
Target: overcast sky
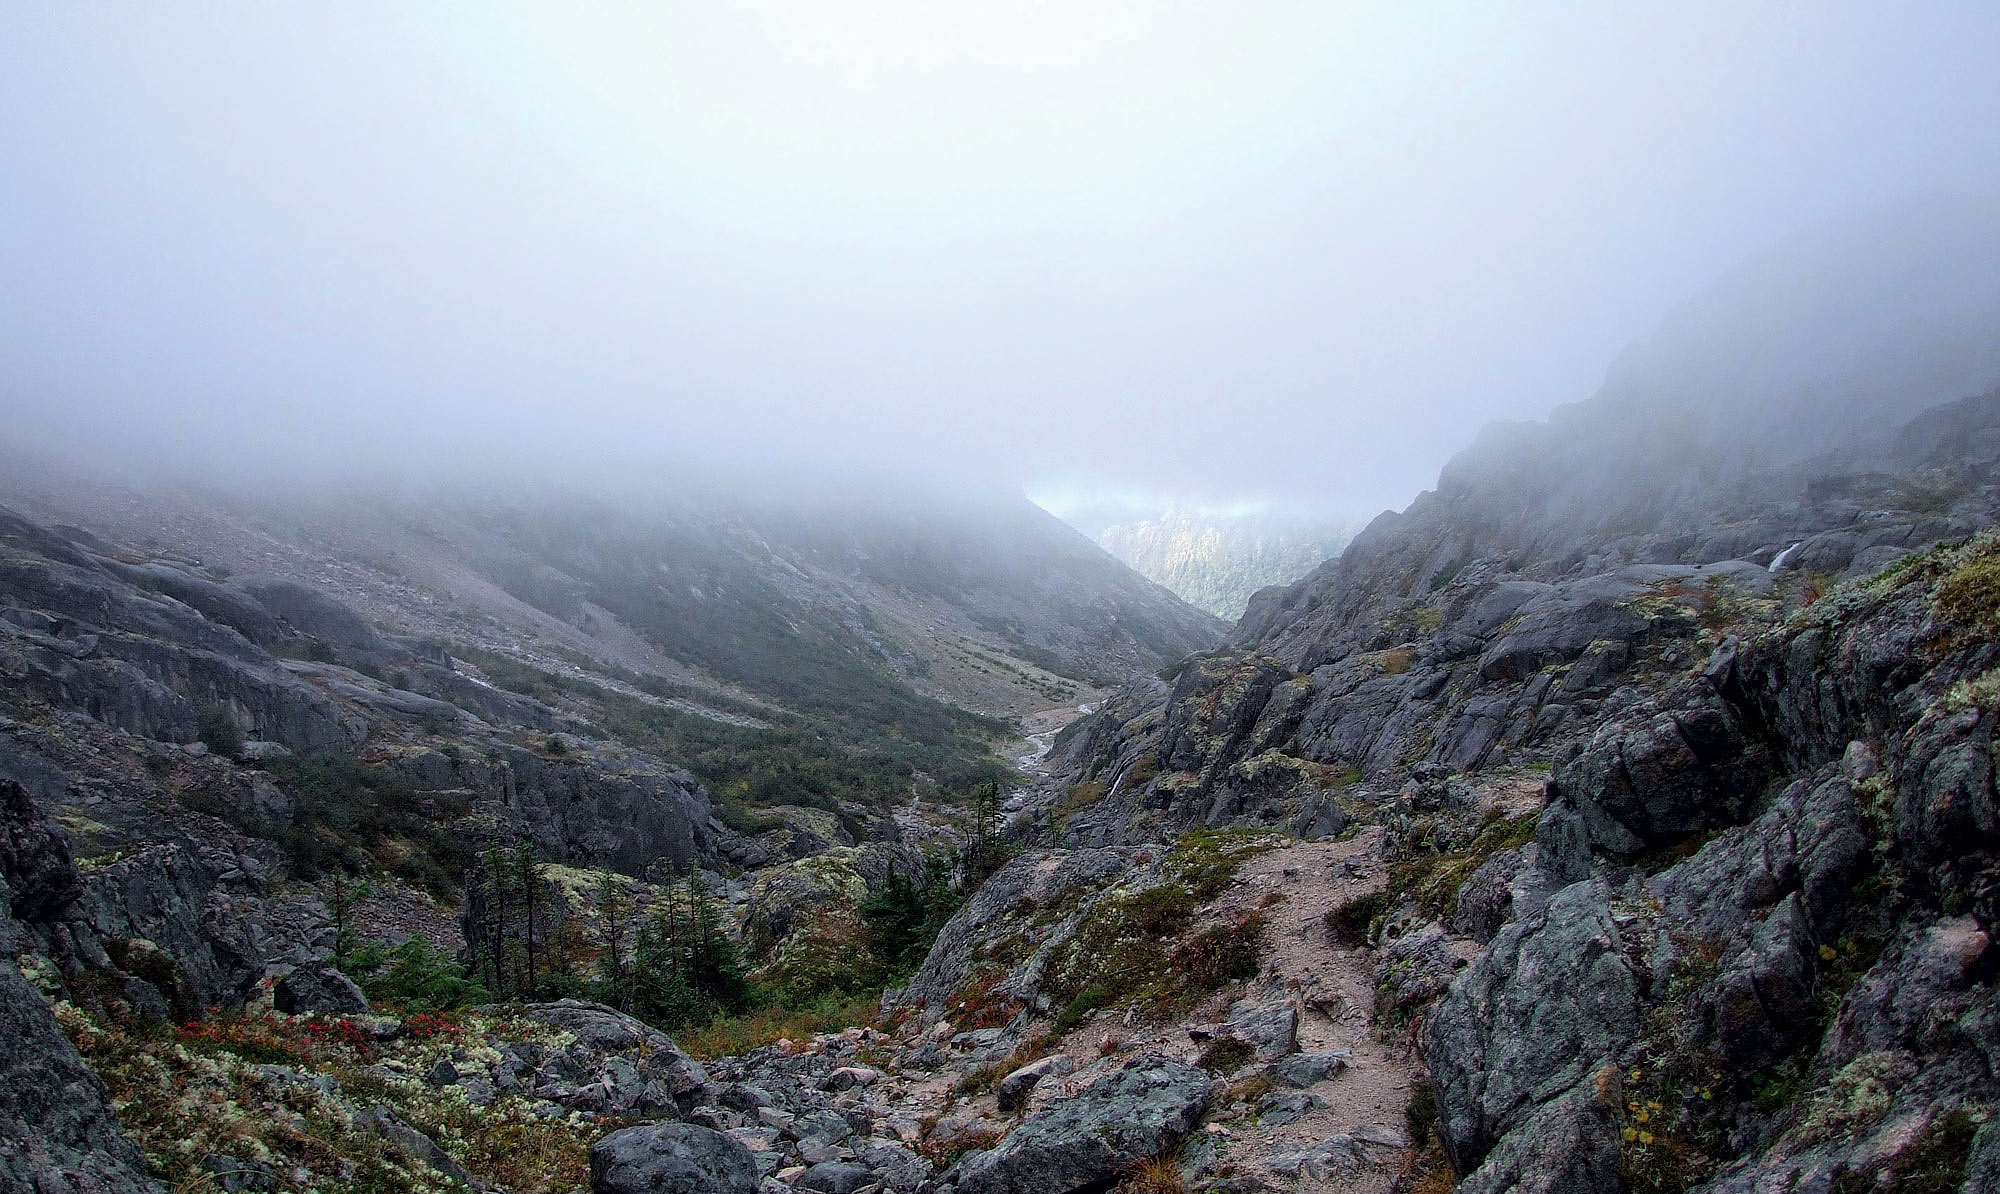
x=1226 y=251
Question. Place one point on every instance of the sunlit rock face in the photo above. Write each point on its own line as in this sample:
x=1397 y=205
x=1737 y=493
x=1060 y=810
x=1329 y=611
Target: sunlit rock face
x=1215 y=560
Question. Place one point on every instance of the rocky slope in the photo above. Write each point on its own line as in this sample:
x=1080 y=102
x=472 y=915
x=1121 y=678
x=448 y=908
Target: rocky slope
x=192 y=761
x=988 y=605
x=1677 y=752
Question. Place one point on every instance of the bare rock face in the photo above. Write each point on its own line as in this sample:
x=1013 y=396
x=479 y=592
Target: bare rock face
x=61 y=1136
x=672 y=1159
x=34 y=858
x=1837 y=928
x=1517 y=1040
x=1143 y=1110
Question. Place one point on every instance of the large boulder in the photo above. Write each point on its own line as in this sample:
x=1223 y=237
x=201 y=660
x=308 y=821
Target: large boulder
x=672 y=1159
x=318 y=988
x=34 y=858
x=1661 y=772
x=1143 y=1110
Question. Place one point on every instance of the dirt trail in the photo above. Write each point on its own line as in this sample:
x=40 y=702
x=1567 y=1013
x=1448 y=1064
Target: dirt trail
x=1354 y=1137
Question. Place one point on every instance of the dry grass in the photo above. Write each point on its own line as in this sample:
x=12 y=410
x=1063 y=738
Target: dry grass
x=728 y=1036
x=1155 y=1175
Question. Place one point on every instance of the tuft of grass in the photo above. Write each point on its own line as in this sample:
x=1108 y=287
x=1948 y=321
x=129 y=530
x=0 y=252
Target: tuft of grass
x=1433 y=880
x=1225 y=1055
x=1353 y=922
x=1422 y=1113
x=1214 y=957
x=1971 y=593
x=1396 y=661
x=1154 y=1175
x=942 y=1153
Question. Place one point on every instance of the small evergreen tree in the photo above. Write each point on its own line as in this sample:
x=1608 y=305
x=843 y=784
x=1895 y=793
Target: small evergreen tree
x=906 y=915
x=613 y=909
x=528 y=877
x=685 y=968
x=346 y=894
x=987 y=851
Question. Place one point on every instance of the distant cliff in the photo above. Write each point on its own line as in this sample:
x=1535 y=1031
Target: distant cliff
x=1215 y=561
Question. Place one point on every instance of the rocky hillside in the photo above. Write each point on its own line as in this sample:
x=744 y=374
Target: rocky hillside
x=1678 y=751
x=218 y=786
x=989 y=605
x=1217 y=560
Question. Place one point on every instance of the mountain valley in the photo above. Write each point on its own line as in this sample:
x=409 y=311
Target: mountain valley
x=1619 y=816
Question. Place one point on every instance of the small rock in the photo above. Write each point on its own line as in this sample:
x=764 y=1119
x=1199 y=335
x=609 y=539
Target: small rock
x=1306 y=1069
x=815 y=1151
x=745 y=1097
x=234 y=1174
x=443 y=1073
x=849 y=1076
x=1279 y=1108
x=1013 y=1090
x=836 y=1177
x=720 y=1119
x=384 y=1122
x=1272 y=1031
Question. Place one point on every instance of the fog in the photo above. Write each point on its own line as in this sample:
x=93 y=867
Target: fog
x=1233 y=252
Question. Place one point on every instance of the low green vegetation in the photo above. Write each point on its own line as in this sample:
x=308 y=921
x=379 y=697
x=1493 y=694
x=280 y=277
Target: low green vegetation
x=216 y=728
x=1354 y=922
x=905 y=917
x=1128 y=949
x=355 y=818
x=1970 y=592
x=1432 y=878
x=812 y=758
x=254 y=1094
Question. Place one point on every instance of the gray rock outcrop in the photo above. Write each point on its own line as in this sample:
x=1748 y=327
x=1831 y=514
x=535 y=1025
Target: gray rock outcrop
x=1143 y=1110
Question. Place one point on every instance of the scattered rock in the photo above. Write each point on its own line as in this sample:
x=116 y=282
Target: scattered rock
x=836 y=1177
x=1272 y=1031
x=1282 y=1107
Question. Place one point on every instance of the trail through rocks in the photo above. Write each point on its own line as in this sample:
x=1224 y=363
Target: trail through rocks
x=1316 y=1101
